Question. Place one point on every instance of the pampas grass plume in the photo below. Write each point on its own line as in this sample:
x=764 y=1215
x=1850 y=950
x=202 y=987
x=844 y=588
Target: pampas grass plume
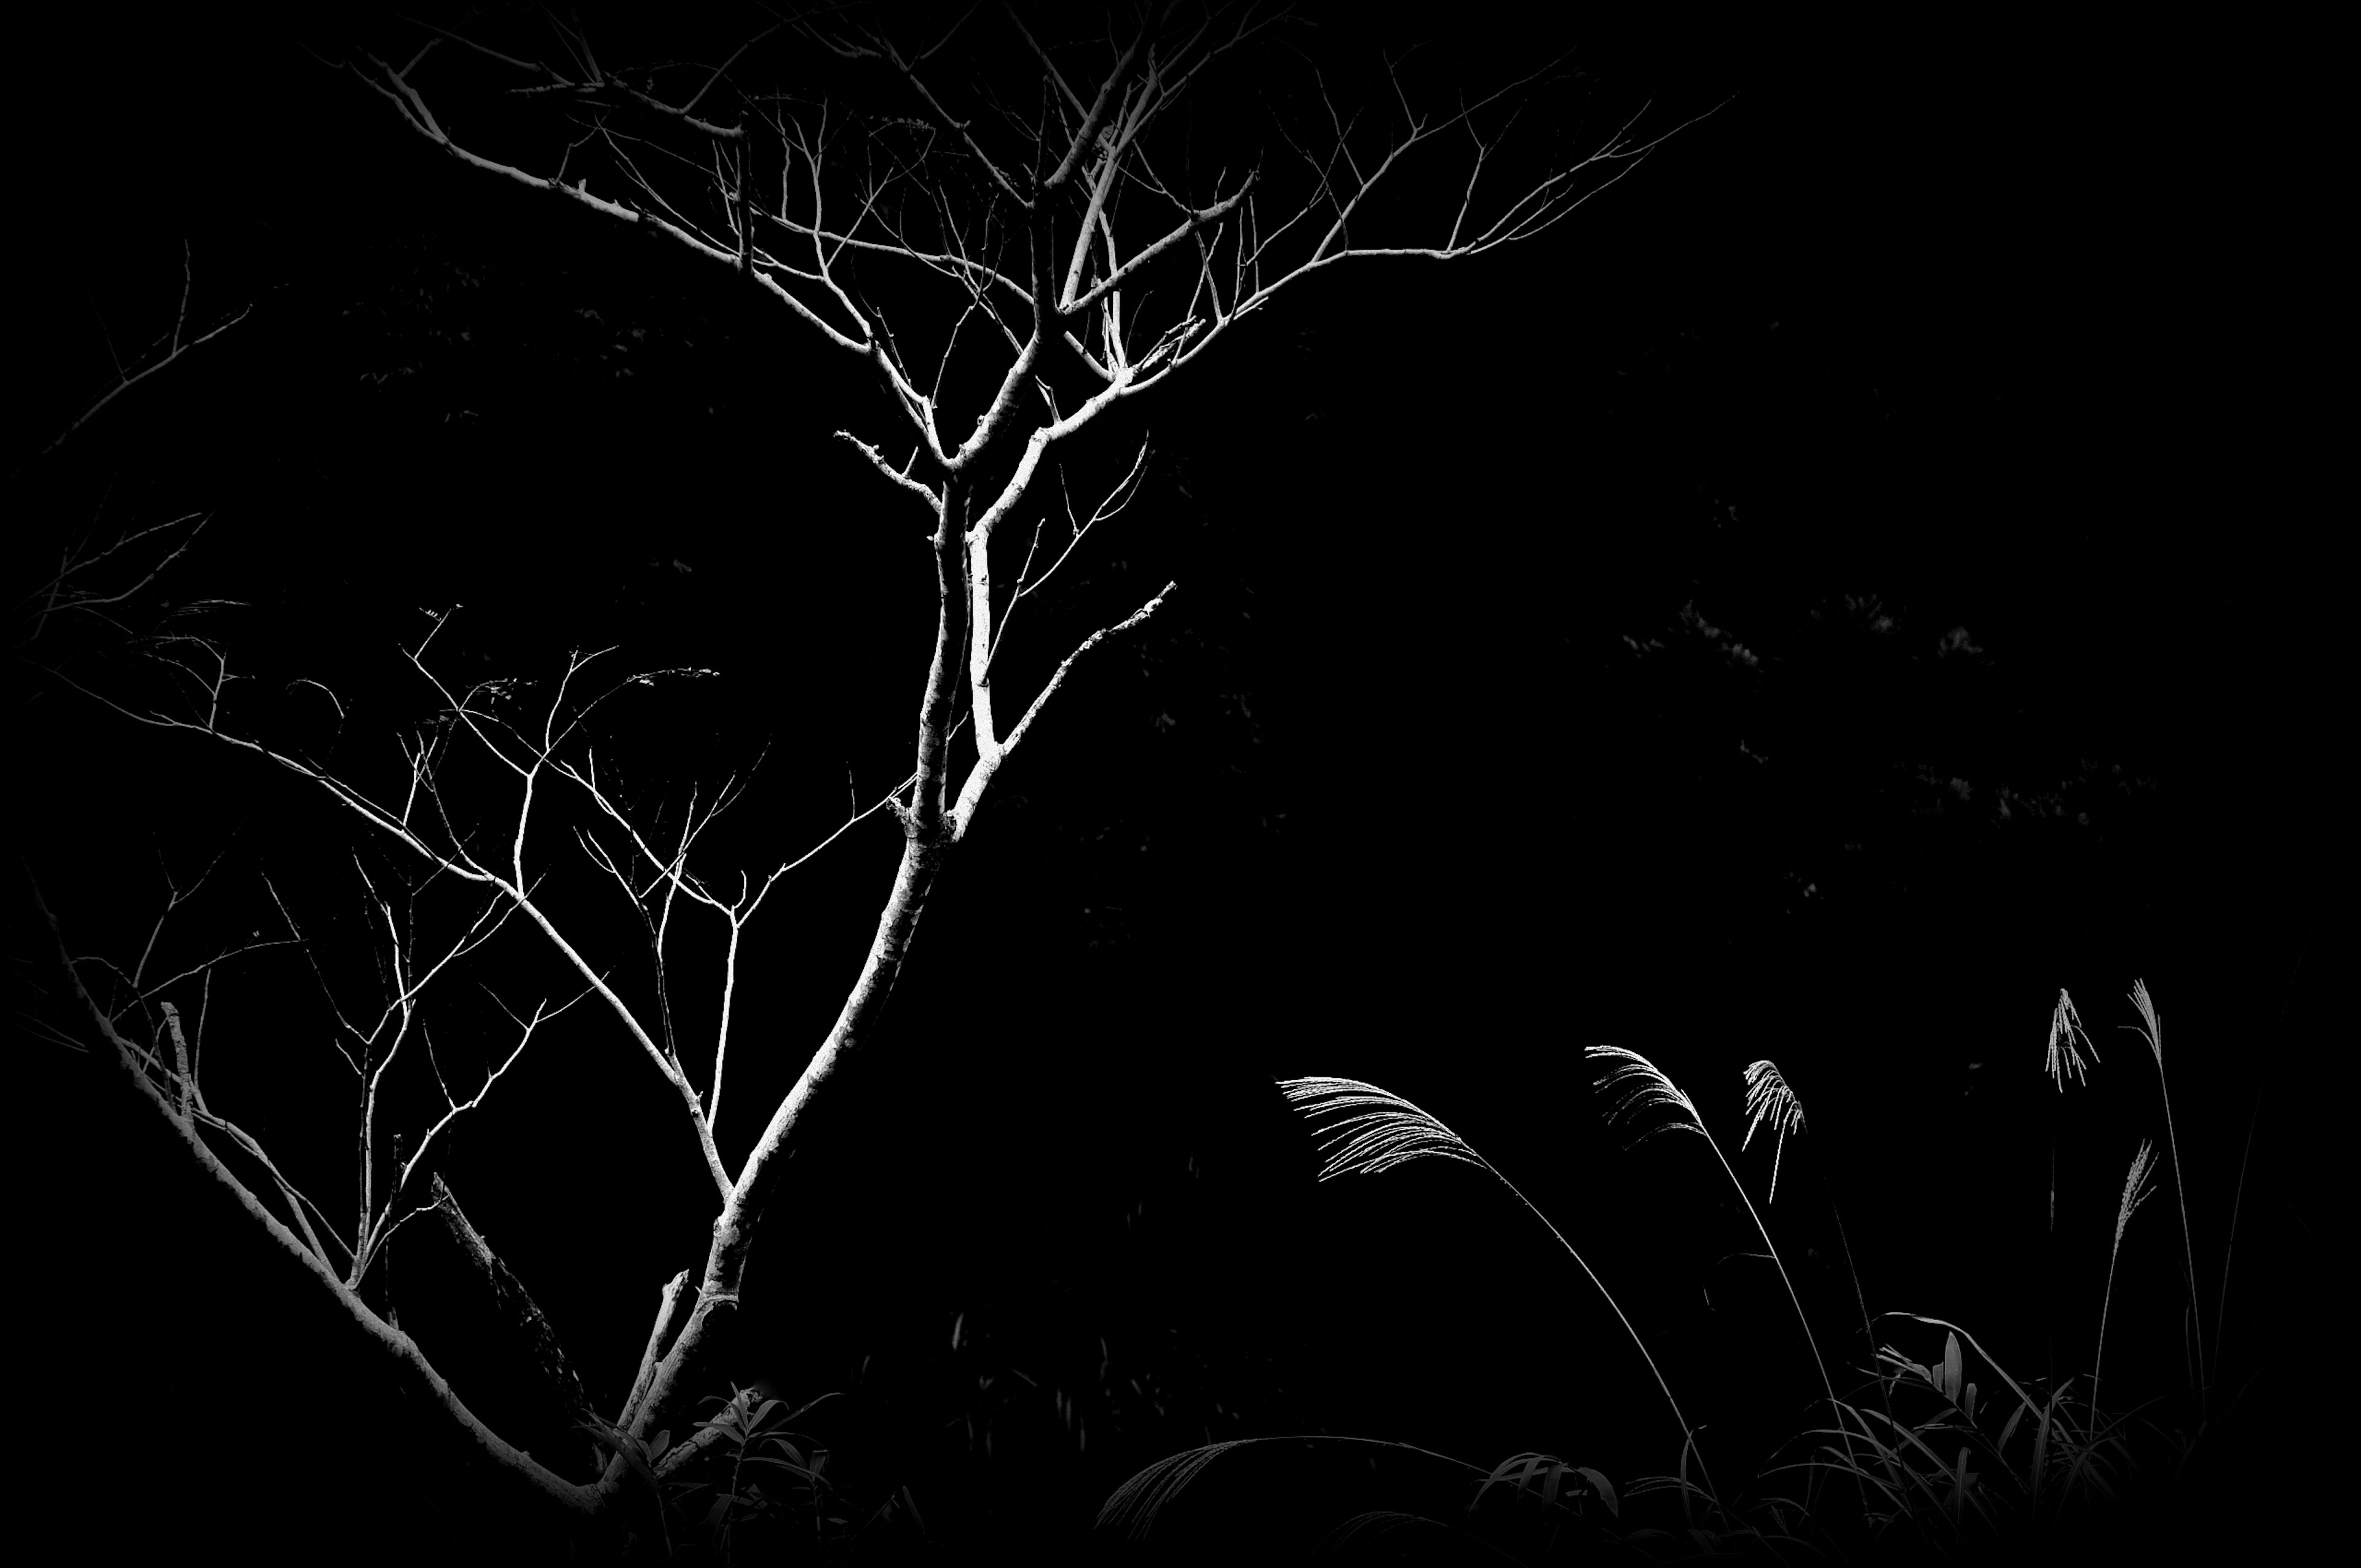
x=1389 y=1132
x=2155 y=1030
x=2135 y=1193
x=2136 y=1187
x=1386 y=1130
x=2065 y=1038
x=1768 y=1098
x=1648 y=1088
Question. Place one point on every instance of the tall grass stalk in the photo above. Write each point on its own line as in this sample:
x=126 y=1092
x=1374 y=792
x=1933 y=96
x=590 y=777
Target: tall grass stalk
x=1919 y=1473
x=2154 y=1032
x=1769 y=1099
x=2066 y=1041
x=2135 y=1193
x=1389 y=1131
x=1648 y=1089
x=2221 y=1305
x=2067 y=1038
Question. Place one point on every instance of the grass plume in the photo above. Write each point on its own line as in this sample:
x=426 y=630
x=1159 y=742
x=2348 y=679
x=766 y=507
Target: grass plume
x=1962 y=1457
x=1644 y=1087
x=1768 y=1099
x=2067 y=1039
x=1386 y=1130
x=2152 y=1027
x=2135 y=1193
x=1391 y=1132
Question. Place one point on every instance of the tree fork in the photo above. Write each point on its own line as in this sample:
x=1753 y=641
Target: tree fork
x=927 y=836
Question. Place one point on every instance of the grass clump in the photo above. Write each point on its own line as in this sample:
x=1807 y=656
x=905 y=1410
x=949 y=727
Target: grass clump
x=1951 y=1457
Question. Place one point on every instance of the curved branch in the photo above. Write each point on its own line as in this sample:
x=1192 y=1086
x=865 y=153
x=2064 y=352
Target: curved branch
x=412 y=108
x=126 y=380
x=522 y=896
x=988 y=763
x=410 y=1362
x=1188 y=226
x=925 y=493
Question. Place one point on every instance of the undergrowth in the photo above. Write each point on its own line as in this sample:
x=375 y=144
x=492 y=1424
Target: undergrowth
x=1953 y=1457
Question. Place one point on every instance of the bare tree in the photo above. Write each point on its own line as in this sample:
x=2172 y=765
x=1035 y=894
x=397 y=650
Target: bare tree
x=1011 y=229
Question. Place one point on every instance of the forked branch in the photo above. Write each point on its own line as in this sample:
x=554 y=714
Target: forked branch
x=178 y=339
x=412 y=1365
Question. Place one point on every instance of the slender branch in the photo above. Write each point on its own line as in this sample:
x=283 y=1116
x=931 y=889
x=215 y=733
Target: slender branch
x=979 y=776
x=1112 y=505
x=453 y=1110
x=458 y=865
x=126 y=380
x=926 y=493
x=410 y=1362
x=58 y=595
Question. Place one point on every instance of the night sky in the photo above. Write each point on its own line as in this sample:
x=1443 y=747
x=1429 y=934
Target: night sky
x=1863 y=572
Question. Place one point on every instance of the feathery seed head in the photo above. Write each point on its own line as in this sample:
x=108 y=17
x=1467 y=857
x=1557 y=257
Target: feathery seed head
x=1647 y=1089
x=2155 y=1030
x=1389 y=1132
x=1768 y=1098
x=2065 y=1032
x=2136 y=1187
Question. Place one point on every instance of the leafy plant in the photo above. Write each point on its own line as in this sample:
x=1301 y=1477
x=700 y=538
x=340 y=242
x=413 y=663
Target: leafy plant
x=760 y=1479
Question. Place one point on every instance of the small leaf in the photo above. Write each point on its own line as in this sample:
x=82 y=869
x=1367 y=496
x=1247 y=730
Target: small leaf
x=1516 y=1471
x=727 y=1428
x=1951 y=1367
x=1605 y=1488
x=1551 y=1480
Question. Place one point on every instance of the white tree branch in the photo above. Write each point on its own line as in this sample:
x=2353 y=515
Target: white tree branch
x=176 y=343
x=980 y=776
x=457 y=863
x=410 y=1362
x=925 y=492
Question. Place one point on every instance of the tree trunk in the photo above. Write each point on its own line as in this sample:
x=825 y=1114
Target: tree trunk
x=927 y=836
x=733 y=1231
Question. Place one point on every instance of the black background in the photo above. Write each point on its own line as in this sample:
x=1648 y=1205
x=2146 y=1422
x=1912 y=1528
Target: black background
x=1859 y=574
